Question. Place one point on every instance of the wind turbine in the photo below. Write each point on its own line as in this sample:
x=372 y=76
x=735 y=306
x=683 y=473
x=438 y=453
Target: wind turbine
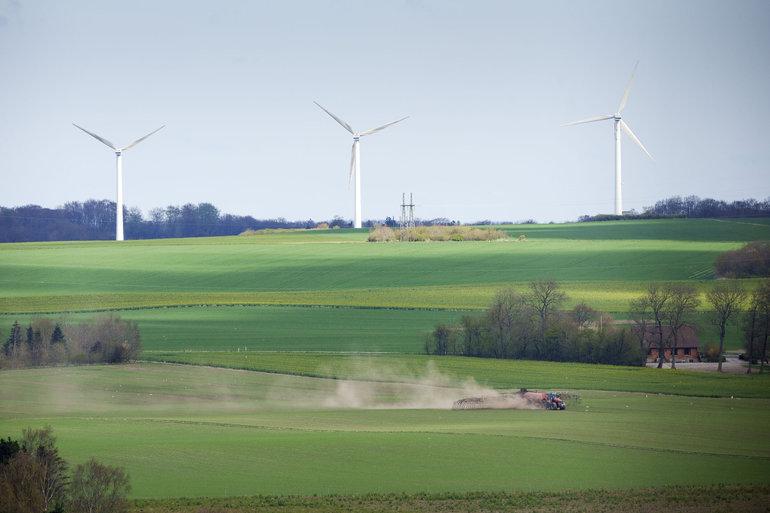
x=119 y=163
x=355 y=158
x=619 y=125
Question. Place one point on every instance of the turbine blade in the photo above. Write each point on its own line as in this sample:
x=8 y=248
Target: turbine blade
x=98 y=138
x=352 y=163
x=373 y=130
x=630 y=133
x=338 y=120
x=589 y=120
x=142 y=138
x=624 y=100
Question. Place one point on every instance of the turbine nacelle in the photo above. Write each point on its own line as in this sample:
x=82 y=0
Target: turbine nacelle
x=118 y=161
x=355 y=167
x=620 y=126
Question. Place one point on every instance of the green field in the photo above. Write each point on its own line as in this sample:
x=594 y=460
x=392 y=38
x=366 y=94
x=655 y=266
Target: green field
x=200 y=431
x=498 y=374
x=275 y=328
x=267 y=389
x=605 y=264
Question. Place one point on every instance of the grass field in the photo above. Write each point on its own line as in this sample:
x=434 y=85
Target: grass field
x=201 y=431
x=275 y=328
x=501 y=374
x=323 y=418
x=605 y=264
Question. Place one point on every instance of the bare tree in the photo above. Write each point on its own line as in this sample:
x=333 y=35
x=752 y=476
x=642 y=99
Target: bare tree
x=583 y=315
x=750 y=332
x=656 y=300
x=545 y=298
x=639 y=309
x=500 y=319
x=757 y=325
x=682 y=304
x=726 y=299
x=52 y=480
x=98 y=488
x=19 y=492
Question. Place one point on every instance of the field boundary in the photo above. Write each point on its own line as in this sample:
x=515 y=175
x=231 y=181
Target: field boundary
x=164 y=360
x=247 y=305
x=709 y=498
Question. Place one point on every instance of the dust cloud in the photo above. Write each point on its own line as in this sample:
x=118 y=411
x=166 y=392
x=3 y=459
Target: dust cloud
x=383 y=388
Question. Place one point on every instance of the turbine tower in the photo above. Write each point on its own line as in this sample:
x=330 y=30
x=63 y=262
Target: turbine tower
x=119 y=165
x=355 y=159
x=619 y=125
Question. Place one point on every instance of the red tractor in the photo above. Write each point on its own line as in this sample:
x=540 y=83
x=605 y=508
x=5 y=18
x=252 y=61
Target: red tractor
x=548 y=400
x=523 y=399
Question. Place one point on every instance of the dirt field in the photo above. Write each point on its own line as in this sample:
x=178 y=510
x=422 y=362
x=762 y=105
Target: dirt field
x=723 y=499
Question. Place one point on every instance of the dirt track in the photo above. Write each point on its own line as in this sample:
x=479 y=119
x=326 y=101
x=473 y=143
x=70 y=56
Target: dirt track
x=732 y=365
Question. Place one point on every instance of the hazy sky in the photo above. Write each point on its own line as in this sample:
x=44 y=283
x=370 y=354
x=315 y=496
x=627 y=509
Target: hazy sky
x=486 y=84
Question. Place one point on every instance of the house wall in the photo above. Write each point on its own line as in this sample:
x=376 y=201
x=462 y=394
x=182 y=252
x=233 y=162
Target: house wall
x=694 y=355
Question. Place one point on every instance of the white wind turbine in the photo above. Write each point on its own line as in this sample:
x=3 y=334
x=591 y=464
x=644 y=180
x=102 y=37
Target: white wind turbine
x=619 y=125
x=355 y=158
x=119 y=163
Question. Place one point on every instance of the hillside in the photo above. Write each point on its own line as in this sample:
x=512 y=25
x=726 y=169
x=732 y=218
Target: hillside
x=605 y=264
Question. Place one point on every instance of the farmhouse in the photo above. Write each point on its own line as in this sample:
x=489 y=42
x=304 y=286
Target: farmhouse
x=687 y=348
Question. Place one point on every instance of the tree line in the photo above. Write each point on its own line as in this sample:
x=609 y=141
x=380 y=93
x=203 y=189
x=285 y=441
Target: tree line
x=665 y=310
x=104 y=339
x=95 y=220
x=692 y=207
x=34 y=478
x=533 y=325
x=751 y=260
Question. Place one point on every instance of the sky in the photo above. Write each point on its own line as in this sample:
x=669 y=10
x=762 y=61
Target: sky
x=486 y=84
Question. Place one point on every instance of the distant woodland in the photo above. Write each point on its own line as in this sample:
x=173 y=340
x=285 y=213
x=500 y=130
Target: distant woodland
x=692 y=207
x=95 y=219
x=44 y=342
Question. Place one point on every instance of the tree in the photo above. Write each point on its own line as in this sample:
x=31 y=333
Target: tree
x=12 y=345
x=545 y=298
x=475 y=335
x=682 y=303
x=8 y=449
x=98 y=488
x=757 y=325
x=57 y=336
x=656 y=300
x=51 y=481
x=441 y=336
x=19 y=490
x=725 y=299
x=583 y=315
x=501 y=318
x=750 y=333
x=640 y=316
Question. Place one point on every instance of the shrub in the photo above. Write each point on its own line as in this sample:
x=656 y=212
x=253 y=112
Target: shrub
x=98 y=488
x=381 y=233
x=753 y=259
x=711 y=353
x=104 y=339
x=107 y=339
x=436 y=233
